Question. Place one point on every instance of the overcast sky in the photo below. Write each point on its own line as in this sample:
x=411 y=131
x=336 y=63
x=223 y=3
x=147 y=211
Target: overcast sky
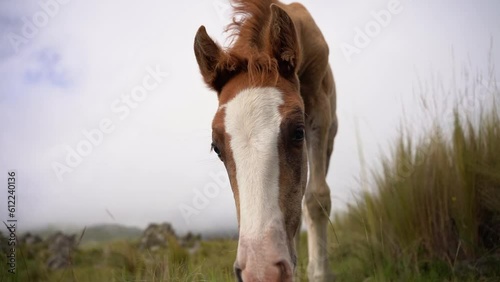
x=71 y=69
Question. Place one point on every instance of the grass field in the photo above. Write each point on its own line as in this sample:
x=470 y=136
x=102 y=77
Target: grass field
x=431 y=214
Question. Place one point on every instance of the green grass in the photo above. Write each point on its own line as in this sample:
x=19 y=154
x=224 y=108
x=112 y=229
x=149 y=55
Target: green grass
x=433 y=213
x=124 y=261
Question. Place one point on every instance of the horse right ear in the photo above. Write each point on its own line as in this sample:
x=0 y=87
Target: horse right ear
x=283 y=41
x=214 y=63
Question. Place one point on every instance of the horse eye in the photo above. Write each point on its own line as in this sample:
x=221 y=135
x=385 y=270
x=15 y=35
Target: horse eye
x=298 y=134
x=216 y=149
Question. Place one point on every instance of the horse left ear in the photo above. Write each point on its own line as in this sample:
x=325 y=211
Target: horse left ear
x=283 y=41
x=216 y=66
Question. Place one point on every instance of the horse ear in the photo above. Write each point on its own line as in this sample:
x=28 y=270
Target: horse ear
x=283 y=39
x=212 y=60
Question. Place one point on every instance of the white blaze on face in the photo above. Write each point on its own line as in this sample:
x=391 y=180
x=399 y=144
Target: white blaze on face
x=253 y=122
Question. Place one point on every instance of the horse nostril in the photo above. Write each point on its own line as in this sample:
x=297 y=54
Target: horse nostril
x=237 y=272
x=284 y=268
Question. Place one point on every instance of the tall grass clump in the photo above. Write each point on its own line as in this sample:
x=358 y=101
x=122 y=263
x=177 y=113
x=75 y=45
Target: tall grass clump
x=434 y=214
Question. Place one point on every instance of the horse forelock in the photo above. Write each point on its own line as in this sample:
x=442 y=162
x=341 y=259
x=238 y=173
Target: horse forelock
x=249 y=45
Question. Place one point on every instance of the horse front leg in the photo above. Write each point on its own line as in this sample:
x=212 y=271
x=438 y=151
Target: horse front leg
x=317 y=202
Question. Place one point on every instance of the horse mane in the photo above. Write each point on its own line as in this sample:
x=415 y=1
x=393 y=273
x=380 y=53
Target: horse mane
x=248 y=34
